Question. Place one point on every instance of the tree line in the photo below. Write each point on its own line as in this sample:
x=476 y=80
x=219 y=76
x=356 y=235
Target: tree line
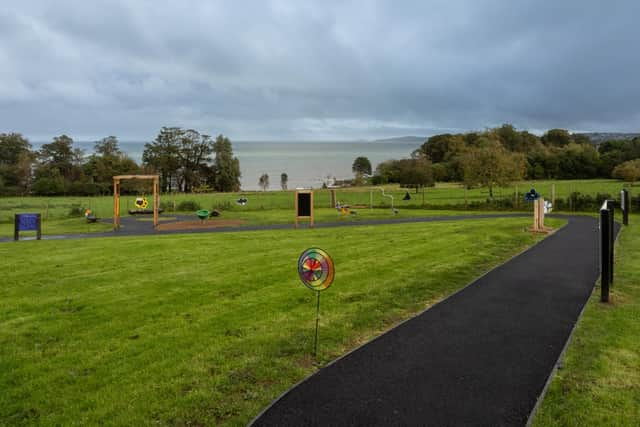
x=185 y=160
x=504 y=154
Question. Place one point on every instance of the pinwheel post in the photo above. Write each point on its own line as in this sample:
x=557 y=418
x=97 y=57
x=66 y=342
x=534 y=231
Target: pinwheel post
x=316 y=271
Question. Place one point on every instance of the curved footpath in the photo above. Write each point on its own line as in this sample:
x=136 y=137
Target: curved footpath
x=480 y=357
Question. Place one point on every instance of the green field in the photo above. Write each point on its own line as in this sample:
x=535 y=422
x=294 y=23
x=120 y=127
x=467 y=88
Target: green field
x=209 y=328
x=599 y=382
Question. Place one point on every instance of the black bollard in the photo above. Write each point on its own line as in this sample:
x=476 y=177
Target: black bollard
x=604 y=253
x=625 y=205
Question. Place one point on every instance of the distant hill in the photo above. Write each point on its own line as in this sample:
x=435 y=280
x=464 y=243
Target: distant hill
x=598 y=138
x=403 y=140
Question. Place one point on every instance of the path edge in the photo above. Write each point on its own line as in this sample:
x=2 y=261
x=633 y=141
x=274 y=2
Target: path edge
x=556 y=366
x=470 y=283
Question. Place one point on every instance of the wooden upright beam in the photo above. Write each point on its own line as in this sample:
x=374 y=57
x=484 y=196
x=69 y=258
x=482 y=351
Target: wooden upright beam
x=156 y=200
x=116 y=203
x=116 y=197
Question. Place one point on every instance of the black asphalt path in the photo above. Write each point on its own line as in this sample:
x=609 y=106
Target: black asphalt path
x=479 y=358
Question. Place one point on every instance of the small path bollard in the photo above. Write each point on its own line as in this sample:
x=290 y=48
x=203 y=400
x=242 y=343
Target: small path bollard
x=625 y=203
x=606 y=248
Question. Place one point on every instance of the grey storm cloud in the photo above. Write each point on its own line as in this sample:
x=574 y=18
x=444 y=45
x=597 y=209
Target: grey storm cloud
x=316 y=70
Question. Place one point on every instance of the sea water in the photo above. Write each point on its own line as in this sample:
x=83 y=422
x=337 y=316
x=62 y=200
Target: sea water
x=307 y=164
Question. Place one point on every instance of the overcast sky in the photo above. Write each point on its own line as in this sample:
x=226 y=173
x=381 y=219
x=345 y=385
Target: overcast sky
x=315 y=70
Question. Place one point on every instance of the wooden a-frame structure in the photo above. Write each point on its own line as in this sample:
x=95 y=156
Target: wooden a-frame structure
x=116 y=196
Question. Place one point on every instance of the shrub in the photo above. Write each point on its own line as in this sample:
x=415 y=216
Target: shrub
x=76 y=211
x=168 y=206
x=189 y=206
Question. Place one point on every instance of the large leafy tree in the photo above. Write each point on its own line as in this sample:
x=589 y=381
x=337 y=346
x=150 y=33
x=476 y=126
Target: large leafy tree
x=557 y=137
x=414 y=173
x=107 y=161
x=161 y=155
x=263 y=182
x=60 y=168
x=489 y=164
x=60 y=154
x=16 y=159
x=180 y=156
x=577 y=161
x=194 y=152
x=361 y=165
x=628 y=171
x=226 y=167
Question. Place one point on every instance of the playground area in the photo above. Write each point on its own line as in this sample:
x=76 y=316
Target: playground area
x=221 y=347
x=213 y=335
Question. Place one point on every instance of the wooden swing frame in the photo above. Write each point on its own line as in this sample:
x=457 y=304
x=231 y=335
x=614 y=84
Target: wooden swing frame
x=116 y=196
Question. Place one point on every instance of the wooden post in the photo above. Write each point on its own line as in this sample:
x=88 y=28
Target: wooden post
x=541 y=214
x=116 y=203
x=295 y=220
x=465 y=197
x=332 y=198
x=156 y=200
x=553 y=194
x=39 y=229
x=516 y=201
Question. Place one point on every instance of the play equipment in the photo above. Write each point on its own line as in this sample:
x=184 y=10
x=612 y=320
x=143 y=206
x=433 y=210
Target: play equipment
x=393 y=210
x=304 y=206
x=532 y=195
x=141 y=203
x=90 y=216
x=316 y=271
x=242 y=201
x=116 y=197
x=203 y=214
x=345 y=209
x=407 y=196
x=27 y=222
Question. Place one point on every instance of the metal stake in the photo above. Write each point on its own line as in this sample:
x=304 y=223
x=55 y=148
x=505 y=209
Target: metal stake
x=315 y=343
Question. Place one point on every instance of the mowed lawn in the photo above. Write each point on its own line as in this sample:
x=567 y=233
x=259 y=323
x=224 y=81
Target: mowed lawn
x=599 y=380
x=209 y=328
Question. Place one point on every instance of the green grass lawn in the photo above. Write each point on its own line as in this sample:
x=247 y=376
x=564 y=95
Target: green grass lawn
x=209 y=328
x=599 y=382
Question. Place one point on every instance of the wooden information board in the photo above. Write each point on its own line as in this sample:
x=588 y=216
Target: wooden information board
x=304 y=206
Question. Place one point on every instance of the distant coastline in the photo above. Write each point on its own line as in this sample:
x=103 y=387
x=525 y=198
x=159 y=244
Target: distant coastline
x=307 y=163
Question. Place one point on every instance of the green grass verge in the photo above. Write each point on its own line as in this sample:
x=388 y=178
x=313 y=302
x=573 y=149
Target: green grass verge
x=599 y=380
x=208 y=329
